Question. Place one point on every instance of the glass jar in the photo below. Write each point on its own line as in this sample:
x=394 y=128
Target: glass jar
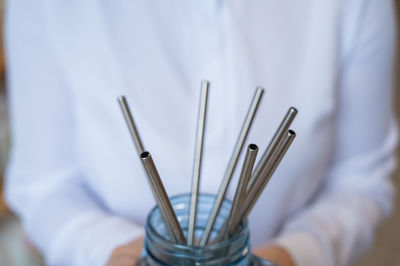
x=159 y=250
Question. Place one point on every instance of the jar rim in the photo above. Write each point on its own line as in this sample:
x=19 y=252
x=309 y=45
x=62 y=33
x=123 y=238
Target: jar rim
x=162 y=240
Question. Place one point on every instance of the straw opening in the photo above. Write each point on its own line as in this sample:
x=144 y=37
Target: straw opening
x=253 y=147
x=145 y=155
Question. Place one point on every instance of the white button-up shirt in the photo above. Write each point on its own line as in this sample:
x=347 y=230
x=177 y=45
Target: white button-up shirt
x=74 y=175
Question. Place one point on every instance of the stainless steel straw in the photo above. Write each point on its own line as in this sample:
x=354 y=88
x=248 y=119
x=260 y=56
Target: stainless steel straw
x=279 y=134
x=169 y=217
x=171 y=222
x=197 y=161
x=131 y=124
x=231 y=166
x=261 y=182
x=240 y=193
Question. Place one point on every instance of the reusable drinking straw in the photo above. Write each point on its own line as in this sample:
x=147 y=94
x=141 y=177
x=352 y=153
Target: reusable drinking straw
x=171 y=222
x=261 y=182
x=231 y=166
x=197 y=161
x=123 y=103
x=240 y=193
x=280 y=132
x=250 y=185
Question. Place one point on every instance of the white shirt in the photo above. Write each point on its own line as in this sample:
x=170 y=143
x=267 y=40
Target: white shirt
x=74 y=175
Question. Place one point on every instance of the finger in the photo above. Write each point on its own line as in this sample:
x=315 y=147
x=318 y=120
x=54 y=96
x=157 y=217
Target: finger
x=124 y=259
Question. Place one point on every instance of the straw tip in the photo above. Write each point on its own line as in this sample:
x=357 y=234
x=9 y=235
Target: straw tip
x=260 y=89
x=205 y=84
x=253 y=147
x=293 y=110
x=121 y=98
x=145 y=155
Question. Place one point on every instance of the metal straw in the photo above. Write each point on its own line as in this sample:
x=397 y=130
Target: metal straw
x=131 y=124
x=261 y=182
x=171 y=222
x=197 y=162
x=240 y=193
x=169 y=217
x=279 y=134
x=231 y=166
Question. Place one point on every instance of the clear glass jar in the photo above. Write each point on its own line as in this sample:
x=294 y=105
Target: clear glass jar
x=159 y=250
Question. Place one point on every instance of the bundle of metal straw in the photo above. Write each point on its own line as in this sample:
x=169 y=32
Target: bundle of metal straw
x=250 y=185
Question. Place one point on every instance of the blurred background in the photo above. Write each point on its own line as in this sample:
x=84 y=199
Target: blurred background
x=16 y=251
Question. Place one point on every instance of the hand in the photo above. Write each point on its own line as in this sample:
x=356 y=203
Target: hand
x=275 y=254
x=127 y=255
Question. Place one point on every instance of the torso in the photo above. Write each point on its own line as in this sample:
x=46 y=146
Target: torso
x=157 y=54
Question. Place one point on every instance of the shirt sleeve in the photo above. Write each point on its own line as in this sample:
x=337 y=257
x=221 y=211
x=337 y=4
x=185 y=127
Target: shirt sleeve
x=44 y=184
x=357 y=194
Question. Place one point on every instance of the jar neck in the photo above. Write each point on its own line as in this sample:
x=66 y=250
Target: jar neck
x=160 y=250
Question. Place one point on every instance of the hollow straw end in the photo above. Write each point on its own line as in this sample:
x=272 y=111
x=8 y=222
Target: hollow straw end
x=293 y=110
x=144 y=155
x=253 y=147
x=291 y=133
x=121 y=98
x=260 y=90
x=205 y=83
